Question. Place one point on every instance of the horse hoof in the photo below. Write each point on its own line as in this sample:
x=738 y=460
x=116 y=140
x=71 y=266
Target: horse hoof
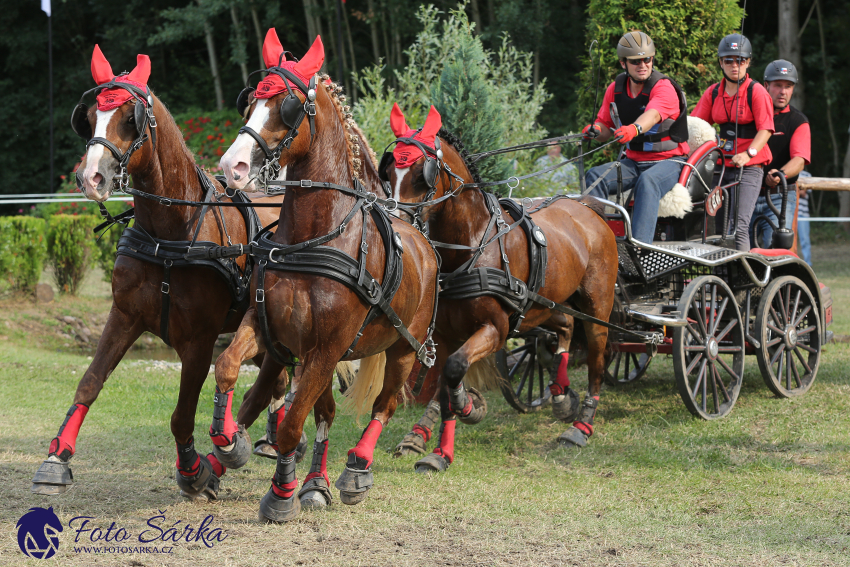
x=315 y=494
x=262 y=448
x=432 y=463
x=353 y=485
x=239 y=453
x=202 y=486
x=479 y=408
x=566 y=406
x=301 y=449
x=53 y=477
x=573 y=437
x=412 y=444
x=275 y=509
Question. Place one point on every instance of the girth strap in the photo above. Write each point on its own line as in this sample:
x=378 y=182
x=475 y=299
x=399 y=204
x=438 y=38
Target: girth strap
x=286 y=359
x=166 y=301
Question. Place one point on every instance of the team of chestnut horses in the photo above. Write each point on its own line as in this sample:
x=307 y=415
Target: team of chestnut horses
x=343 y=275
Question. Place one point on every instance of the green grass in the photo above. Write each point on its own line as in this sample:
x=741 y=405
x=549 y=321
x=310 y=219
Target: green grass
x=768 y=485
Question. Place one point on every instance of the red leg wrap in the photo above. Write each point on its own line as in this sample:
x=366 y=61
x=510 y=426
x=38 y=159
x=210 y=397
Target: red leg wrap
x=188 y=460
x=284 y=481
x=365 y=448
x=223 y=428
x=586 y=426
x=562 y=382
x=285 y=490
x=217 y=467
x=64 y=444
x=423 y=431
x=446 y=446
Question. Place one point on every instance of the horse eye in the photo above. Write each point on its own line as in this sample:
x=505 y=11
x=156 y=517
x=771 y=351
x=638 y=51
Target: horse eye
x=132 y=120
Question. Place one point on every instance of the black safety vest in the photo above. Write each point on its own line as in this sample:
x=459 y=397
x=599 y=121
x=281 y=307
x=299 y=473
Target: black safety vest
x=664 y=136
x=784 y=125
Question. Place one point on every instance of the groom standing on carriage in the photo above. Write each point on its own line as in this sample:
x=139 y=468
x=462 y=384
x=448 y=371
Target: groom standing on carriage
x=653 y=127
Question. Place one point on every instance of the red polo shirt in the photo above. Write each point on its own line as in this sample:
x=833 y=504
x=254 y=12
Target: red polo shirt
x=723 y=111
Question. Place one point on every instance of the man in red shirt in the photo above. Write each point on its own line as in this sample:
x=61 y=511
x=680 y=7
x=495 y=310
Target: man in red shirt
x=744 y=111
x=653 y=115
x=790 y=147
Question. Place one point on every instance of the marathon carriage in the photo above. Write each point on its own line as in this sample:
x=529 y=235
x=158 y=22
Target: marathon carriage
x=691 y=295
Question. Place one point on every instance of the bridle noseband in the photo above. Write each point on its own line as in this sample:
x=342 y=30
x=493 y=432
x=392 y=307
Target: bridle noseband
x=292 y=113
x=143 y=117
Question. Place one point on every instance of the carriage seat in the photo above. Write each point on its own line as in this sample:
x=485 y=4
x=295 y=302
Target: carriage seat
x=702 y=139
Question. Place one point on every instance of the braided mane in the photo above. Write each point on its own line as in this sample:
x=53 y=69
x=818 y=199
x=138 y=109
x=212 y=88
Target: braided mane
x=455 y=142
x=353 y=136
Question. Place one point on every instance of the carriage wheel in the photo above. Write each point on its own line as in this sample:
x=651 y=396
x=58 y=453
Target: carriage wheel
x=626 y=367
x=708 y=353
x=788 y=327
x=525 y=371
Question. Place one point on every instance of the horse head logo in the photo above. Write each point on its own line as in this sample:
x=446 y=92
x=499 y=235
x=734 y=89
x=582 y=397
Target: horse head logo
x=38 y=533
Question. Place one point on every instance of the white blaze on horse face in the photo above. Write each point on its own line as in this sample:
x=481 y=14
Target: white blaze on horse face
x=97 y=172
x=236 y=161
x=399 y=177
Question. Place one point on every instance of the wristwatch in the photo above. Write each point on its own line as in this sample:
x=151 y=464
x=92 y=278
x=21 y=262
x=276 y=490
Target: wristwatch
x=639 y=129
x=752 y=152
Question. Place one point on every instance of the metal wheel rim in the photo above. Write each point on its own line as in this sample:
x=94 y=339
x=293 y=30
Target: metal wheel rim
x=709 y=351
x=789 y=329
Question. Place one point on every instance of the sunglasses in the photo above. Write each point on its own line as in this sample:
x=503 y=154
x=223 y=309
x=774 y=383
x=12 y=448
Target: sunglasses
x=733 y=61
x=637 y=62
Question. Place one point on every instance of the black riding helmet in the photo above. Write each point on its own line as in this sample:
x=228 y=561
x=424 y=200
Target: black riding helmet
x=781 y=70
x=735 y=44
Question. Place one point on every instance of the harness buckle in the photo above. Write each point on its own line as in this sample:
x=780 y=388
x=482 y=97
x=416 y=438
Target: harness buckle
x=156 y=250
x=306 y=183
x=364 y=247
x=391 y=202
x=371 y=198
x=166 y=202
x=165 y=288
x=342 y=228
x=271 y=253
x=261 y=296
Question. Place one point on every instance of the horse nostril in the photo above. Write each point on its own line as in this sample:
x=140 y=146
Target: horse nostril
x=96 y=179
x=240 y=170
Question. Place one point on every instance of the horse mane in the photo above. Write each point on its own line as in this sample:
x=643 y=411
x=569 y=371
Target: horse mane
x=354 y=138
x=464 y=155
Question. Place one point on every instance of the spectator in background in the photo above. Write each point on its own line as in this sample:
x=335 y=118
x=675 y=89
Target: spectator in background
x=804 y=243
x=562 y=180
x=790 y=148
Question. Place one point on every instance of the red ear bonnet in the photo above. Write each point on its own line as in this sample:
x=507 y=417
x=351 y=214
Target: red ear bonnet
x=406 y=154
x=304 y=69
x=101 y=71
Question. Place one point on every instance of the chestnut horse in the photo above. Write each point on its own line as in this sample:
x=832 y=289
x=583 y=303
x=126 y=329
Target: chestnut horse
x=311 y=313
x=473 y=323
x=133 y=124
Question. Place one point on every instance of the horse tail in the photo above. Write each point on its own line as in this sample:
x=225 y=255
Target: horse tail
x=345 y=372
x=482 y=375
x=366 y=385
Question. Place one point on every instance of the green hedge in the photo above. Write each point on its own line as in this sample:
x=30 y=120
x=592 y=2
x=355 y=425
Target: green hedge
x=71 y=249
x=107 y=243
x=23 y=249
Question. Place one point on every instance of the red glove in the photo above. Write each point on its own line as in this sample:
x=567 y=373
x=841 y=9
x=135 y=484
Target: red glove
x=591 y=131
x=626 y=133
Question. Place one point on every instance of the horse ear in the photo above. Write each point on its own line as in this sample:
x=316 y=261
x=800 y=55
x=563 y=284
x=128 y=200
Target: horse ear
x=101 y=70
x=312 y=61
x=272 y=49
x=432 y=124
x=397 y=122
x=142 y=72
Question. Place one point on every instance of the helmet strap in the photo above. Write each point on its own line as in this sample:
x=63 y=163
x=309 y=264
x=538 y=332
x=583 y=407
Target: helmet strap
x=731 y=80
x=638 y=81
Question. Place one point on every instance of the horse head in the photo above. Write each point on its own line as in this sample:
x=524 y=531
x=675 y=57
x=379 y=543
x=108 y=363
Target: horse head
x=281 y=116
x=422 y=166
x=116 y=128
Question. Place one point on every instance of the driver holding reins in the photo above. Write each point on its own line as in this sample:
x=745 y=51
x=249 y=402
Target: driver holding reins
x=653 y=115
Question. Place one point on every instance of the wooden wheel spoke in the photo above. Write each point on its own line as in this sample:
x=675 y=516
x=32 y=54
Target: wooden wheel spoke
x=705 y=371
x=726 y=330
x=806 y=331
x=776 y=330
x=693 y=363
x=728 y=349
x=728 y=369
x=698 y=306
x=712 y=369
x=694 y=348
x=802 y=315
x=695 y=334
x=797 y=378
x=520 y=348
x=775 y=341
x=787 y=304
x=626 y=370
x=788 y=364
x=700 y=376
x=722 y=385
x=796 y=305
x=803 y=361
x=525 y=375
x=781 y=364
x=711 y=313
x=518 y=363
x=777 y=354
x=806 y=348
x=719 y=317
x=776 y=318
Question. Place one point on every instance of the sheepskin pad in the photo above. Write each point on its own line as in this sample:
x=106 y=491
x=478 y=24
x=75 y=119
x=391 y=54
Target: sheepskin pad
x=677 y=203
